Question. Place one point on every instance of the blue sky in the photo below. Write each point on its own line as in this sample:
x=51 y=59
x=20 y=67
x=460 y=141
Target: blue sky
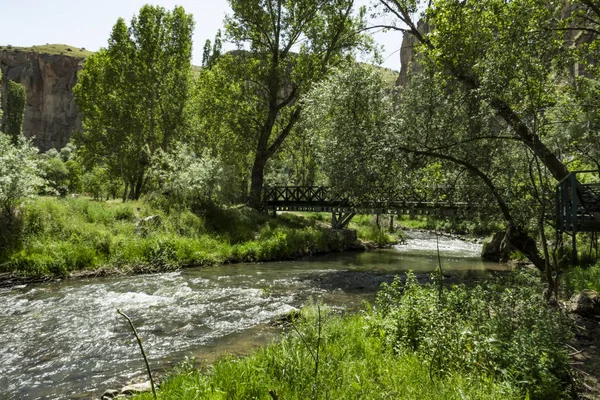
x=86 y=23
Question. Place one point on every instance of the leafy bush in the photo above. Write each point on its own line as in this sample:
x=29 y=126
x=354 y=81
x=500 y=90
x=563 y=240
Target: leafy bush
x=580 y=278
x=19 y=178
x=188 y=178
x=19 y=172
x=56 y=173
x=503 y=330
x=352 y=365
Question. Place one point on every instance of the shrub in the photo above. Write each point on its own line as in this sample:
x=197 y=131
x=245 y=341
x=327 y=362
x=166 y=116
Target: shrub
x=56 y=172
x=580 y=278
x=504 y=330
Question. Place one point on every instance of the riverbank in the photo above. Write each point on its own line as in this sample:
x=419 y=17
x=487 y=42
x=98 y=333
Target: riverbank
x=56 y=238
x=498 y=340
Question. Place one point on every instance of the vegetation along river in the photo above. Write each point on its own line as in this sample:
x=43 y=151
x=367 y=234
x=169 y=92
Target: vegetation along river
x=65 y=340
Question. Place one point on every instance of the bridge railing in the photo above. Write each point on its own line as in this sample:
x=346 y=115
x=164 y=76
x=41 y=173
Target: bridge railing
x=300 y=194
x=274 y=196
x=577 y=203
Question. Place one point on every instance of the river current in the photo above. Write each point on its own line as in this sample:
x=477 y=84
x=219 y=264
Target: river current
x=64 y=340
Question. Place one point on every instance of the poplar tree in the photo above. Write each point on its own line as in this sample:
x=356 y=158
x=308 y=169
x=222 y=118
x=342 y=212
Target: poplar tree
x=134 y=94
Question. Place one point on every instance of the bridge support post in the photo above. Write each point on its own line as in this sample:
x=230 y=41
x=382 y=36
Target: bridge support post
x=341 y=220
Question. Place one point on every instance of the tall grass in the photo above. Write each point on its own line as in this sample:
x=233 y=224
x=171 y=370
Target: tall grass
x=59 y=236
x=580 y=278
x=353 y=364
x=503 y=329
x=499 y=340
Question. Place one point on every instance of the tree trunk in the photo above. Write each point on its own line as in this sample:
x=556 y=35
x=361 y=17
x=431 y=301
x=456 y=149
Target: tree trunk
x=526 y=245
x=257 y=179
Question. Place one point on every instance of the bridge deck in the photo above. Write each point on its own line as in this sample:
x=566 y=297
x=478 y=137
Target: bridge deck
x=323 y=199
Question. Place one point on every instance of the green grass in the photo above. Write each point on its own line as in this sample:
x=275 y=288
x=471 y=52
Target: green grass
x=60 y=236
x=502 y=329
x=53 y=49
x=353 y=364
x=498 y=340
x=580 y=278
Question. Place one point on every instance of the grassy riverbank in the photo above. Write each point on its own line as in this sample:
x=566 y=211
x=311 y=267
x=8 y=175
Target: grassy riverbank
x=57 y=237
x=496 y=341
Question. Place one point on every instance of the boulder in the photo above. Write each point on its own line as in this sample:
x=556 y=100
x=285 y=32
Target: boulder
x=148 y=223
x=585 y=303
x=110 y=393
x=497 y=248
x=137 y=388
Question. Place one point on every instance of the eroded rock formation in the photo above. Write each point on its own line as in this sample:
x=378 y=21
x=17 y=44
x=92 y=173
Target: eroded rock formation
x=51 y=114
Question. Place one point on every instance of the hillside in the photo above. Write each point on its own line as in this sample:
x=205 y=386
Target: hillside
x=51 y=49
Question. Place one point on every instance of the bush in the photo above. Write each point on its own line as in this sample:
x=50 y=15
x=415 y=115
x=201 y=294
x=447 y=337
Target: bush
x=580 y=278
x=503 y=330
x=56 y=173
x=352 y=365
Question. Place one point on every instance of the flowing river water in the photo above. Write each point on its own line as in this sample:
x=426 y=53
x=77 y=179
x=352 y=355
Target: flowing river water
x=64 y=340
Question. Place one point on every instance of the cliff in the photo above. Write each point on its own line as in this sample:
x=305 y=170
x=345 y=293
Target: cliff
x=51 y=114
x=408 y=63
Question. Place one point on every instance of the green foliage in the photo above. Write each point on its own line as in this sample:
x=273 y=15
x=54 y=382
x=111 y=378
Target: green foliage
x=134 y=94
x=95 y=182
x=187 y=178
x=56 y=172
x=292 y=46
x=503 y=330
x=53 y=49
x=580 y=278
x=19 y=173
x=59 y=236
x=352 y=365
x=16 y=99
x=367 y=229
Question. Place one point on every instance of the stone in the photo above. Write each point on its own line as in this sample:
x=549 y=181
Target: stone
x=51 y=114
x=110 y=393
x=144 y=224
x=137 y=388
x=497 y=248
x=586 y=303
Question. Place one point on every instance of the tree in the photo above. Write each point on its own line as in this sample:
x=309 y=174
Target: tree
x=19 y=173
x=212 y=52
x=15 y=111
x=134 y=94
x=291 y=45
x=474 y=44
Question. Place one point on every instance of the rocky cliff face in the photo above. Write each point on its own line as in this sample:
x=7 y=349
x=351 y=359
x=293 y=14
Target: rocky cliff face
x=51 y=114
x=407 y=54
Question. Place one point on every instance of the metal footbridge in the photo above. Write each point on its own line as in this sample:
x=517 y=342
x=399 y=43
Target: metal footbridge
x=578 y=205
x=342 y=209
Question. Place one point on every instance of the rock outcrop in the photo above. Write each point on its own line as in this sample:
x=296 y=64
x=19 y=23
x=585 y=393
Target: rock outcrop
x=407 y=53
x=51 y=114
x=586 y=303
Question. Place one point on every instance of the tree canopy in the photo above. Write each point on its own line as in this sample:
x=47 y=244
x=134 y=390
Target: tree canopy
x=134 y=94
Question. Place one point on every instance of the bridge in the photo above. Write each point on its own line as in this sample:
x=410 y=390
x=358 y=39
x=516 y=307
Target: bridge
x=325 y=199
x=578 y=205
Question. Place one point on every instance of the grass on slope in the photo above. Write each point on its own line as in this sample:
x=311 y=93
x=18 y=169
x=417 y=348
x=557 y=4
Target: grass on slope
x=59 y=236
x=52 y=49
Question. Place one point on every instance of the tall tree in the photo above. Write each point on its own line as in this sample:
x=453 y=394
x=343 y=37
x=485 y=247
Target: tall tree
x=15 y=111
x=490 y=46
x=134 y=94
x=212 y=51
x=291 y=44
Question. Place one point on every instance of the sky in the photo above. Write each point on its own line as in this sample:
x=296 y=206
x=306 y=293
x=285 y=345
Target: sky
x=87 y=23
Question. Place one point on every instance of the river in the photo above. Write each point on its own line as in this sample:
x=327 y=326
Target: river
x=64 y=340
